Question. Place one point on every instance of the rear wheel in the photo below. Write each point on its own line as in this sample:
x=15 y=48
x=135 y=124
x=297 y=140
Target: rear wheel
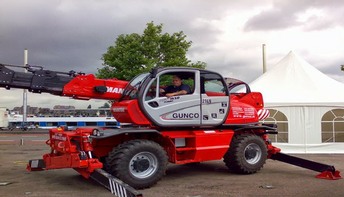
x=246 y=155
x=139 y=163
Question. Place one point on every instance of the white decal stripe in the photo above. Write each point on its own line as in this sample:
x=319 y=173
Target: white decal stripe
x=120 y=192
x=260 y=114
x=267 y=113
x=123 y=192
x=118 y=189
x=111 y=186
x=263 y=113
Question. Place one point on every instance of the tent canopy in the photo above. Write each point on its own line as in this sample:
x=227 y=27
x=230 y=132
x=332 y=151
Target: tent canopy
x=293 y=81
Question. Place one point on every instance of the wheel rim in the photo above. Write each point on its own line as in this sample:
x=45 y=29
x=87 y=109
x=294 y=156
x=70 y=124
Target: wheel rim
x=143 y=165
x=253 y=153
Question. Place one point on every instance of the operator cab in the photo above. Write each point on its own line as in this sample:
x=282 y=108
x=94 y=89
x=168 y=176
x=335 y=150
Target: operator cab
x=207 y=104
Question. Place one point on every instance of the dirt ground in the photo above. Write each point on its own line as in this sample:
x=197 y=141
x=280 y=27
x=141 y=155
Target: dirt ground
x=209 y=179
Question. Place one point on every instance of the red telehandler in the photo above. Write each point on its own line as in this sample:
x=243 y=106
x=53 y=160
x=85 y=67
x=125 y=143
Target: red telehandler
x=211 y=123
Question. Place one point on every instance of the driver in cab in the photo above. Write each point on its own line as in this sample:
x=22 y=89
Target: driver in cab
x=178 y=88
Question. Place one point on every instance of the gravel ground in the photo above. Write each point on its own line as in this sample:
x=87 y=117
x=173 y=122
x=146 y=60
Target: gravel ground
x=208 y=179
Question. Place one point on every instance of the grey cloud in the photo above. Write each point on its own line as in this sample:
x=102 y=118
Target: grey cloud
x=233 y=65
x=72 y=35
x=284 y=14
x=318 y=23
x=270 y=20
x=334 y=68
x=64 y=35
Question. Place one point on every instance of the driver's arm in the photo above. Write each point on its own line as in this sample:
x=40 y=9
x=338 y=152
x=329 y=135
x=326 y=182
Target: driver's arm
x=181 y=92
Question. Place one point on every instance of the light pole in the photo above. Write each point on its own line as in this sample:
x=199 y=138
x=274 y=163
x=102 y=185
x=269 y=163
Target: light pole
x=25 y=93
x=264 y=58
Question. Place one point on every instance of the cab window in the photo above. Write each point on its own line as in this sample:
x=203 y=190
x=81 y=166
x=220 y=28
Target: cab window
x=131 y=91
x=166 y=81
x=213 y=85
x=152 y=91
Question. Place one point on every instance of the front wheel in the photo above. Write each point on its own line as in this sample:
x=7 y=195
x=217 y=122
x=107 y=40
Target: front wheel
x=139 y=163
x=247 y=154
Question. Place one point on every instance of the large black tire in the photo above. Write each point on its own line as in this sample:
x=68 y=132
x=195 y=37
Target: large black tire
x=247 y=154
x=139 y=163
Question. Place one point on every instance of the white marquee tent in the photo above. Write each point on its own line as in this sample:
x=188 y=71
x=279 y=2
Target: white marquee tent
x=303 y=94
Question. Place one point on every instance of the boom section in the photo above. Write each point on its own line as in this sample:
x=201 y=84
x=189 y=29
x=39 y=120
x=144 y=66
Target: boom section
x=69 y=84
x=36 y=80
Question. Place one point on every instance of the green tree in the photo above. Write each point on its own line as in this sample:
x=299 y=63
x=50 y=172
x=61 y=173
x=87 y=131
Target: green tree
x=133 y=54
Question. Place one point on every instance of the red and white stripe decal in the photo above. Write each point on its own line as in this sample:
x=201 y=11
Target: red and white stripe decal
x=263 y=113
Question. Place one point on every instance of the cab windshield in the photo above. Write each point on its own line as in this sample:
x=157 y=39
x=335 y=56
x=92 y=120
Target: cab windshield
x=130 y=92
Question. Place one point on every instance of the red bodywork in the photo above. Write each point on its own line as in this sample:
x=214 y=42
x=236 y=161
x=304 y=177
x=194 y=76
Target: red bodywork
x=66 y=149
x=74 y=149
x=197 y=145
x=244 y=108
x=141 y=152
x=83 y=87
x=129 y=111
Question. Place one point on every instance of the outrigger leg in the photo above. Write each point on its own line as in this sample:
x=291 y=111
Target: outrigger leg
x=114 y=185
x=73 y=149
x=326 y=171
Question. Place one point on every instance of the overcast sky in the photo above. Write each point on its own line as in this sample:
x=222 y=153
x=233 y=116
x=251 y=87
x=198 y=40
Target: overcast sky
x=228 y=35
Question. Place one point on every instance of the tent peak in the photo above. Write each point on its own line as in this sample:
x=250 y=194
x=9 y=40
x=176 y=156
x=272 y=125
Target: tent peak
x=293 y=80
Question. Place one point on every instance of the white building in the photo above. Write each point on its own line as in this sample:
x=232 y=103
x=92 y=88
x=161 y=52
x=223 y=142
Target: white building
x=3 y=118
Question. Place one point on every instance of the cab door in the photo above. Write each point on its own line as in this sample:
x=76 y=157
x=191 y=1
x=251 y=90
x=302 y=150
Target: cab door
x=182 y=110
x=214 y=99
